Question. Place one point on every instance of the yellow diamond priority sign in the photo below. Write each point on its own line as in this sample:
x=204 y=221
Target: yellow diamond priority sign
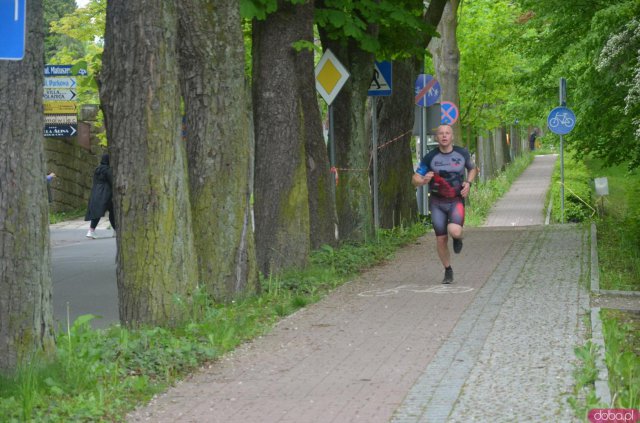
x=330 y=76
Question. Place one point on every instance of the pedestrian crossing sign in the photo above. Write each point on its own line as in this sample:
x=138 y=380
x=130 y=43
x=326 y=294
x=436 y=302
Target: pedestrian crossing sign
x=381 y=81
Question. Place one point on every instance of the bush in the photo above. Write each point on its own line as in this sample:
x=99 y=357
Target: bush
x=578 y=194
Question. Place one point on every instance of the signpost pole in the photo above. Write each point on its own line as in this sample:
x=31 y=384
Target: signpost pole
x=561 y=121
x=563 y=102
x=374 y=152
x=332 y=147
x=561 y=180
x=424 y=204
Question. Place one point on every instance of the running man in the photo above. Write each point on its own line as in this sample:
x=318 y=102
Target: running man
x=443 y=168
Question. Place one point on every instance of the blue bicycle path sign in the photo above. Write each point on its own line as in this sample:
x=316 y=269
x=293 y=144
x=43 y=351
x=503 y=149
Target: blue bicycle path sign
x=561 y=120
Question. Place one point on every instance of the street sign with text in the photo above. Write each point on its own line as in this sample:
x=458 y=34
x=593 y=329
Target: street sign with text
x=60 y=119
x=64 y=70
x=60 y=131
x=69 y=82
x=58 y=94
x=13 y=19
x=60 y=107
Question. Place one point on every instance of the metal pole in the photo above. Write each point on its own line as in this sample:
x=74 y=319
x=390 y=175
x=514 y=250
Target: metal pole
x=561 y=180
x=374 y=130
x=332 y=147
x=420 y=190
x=423 y=150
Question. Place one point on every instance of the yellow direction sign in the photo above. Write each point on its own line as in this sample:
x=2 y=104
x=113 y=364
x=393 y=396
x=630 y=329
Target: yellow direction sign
x=60 y=107
x=330 y=76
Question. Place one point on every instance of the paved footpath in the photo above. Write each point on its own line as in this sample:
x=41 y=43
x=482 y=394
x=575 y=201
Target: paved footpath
x=396 y=345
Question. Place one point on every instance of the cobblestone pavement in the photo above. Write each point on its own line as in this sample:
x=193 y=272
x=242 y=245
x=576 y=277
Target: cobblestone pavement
x=394 y=344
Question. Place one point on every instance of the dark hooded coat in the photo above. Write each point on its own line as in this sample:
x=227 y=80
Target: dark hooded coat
x=101 y=191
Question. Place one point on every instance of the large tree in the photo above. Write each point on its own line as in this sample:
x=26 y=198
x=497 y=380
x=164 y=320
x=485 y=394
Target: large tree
x=397 y=197
x=219 y=144
x=140 y=97
x=352 y=152
x=281 y=125
x=446 y=58
x=26 y=322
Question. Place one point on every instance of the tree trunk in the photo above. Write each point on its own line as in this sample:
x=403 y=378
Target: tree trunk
x=446 y=60
x=219 y=145
x=140 y=97
x=352 y=146
x=281 y=194
x=320 y=181
x=396 y=195
x=26 y=315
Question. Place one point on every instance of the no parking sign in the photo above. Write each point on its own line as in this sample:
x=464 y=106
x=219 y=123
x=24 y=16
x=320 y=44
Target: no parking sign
x=448 y=113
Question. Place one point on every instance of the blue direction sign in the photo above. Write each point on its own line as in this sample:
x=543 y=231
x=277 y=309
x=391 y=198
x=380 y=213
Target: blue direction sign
x=448 y=113
x=561 y=120
x=63 y=70
x=60 y=131
x=381 y=81
x=427 y=90
x=12 y=29
x=69 y=82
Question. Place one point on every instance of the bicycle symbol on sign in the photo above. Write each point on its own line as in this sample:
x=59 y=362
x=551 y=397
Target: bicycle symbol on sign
x=562 y=119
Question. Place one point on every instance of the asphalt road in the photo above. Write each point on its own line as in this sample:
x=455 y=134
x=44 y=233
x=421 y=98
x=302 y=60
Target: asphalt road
x=84 y=274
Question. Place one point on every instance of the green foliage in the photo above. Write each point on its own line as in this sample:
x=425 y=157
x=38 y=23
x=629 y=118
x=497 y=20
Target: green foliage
x=53 y=42
x=491 y=64
x=484 y=194
x=585 y=374
x=85 y=26
x=257 y=9
x=622 y=337
x=618 y=227
x=584 y=42
x=66 y=215
x=398 y=23
x=578 y=201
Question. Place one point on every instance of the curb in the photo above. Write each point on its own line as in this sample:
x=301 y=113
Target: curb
x=597 y=337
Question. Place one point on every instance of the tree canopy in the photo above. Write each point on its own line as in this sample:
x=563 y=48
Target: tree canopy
x=594 y=45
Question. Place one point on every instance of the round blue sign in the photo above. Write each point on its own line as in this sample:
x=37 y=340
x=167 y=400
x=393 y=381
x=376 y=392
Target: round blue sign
x=427 y=90
x=561 y=120
x=448 y=113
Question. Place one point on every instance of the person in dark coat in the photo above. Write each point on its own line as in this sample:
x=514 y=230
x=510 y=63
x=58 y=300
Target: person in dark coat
x=532 y=140
x=101 y=197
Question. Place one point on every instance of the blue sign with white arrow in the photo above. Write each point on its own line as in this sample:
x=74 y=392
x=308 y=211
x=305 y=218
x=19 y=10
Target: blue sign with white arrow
x=561 y=120
x=12 y=29
x=64 y=70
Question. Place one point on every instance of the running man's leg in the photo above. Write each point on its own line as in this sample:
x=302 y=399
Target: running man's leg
x=439 y=211
x=456 y=222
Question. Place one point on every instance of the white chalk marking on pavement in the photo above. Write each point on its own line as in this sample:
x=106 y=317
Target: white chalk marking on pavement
x=438 y=289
